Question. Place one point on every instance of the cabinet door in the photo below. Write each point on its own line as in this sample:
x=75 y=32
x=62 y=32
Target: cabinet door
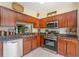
x=20 y=17
x=62 y=46
x=26 y=46
x=34 y=42
x=38 y=40
x=48 y=19
x=7 y=17
x=72 y=19
x=43 y=23
x=36 y=23
x=72 y=46
x=62 y=20
x=52 y=18
x=42 y=41
x=1 y=49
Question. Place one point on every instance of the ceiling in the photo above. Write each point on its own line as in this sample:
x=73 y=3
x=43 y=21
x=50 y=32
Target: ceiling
x=44 y=7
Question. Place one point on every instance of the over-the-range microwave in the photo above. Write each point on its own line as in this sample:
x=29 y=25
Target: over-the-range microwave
x=52 y=24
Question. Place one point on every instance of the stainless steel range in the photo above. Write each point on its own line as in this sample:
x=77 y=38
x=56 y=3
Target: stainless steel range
x=51 y=41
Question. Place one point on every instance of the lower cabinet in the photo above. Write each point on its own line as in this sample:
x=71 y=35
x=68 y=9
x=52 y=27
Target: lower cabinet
x=42 y=41
x=72 y=48
x=1 y=49
x=68 y=47
x=29 y=44
x=26 y=46
x=62 y=47
x=38 y=40
x=34 y=42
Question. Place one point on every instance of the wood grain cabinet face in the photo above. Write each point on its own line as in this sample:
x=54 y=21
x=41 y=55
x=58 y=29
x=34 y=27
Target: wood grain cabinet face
x=1 y=49
x=34 y=43
x=52 y=18
x=36 y=23
x=20 y=17
x=72 y=19
x=62 y=21
x=68 y=19
x=43 y=23
x=68 y=47
x=72 y=48
x=38 y=40
x=42 y=41
x=7 y=17
x=62 y=47
x=48 y=19
x=26 y=46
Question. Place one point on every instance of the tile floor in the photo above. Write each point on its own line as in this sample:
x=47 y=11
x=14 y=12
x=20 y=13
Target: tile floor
x=43 y=52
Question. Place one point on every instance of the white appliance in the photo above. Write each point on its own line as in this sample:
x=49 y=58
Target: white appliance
x=13 y=48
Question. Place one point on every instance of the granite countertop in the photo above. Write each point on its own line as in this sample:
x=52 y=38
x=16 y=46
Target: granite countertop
x=8 y=38
x=30 y=35
x=67 y=35
x=15 y=37
x=61 y=35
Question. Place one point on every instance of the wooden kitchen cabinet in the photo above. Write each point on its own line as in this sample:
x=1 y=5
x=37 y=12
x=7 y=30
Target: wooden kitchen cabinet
x=68 y=46
x=49 y=19
x=36 y=23
x=68 y=19
x=42 y=40
x=72 y=47
x=7 y=17
x=62 y=20
x=38 y=40
x=62 y=46
x=43 y=23
x=21 y=17
x=34 y=42
x=72 y=19
x=26 y=45
x=1 y=49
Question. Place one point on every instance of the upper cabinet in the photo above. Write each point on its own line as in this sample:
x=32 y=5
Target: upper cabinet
x=43 y=23
x=27 y=19
x=22 y=17
x=52 y=18
x=68 y=19
x=36 y=24
x=72 y=19
x=62 y=20
x=7 y=17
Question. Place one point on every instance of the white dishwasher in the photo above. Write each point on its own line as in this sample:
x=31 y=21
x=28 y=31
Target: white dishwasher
x=13 y=48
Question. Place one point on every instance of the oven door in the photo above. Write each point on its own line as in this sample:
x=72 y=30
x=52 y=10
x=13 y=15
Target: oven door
x=50 y=44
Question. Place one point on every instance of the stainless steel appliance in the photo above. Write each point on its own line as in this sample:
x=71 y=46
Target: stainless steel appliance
x=50 y=41
x=53 y=24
